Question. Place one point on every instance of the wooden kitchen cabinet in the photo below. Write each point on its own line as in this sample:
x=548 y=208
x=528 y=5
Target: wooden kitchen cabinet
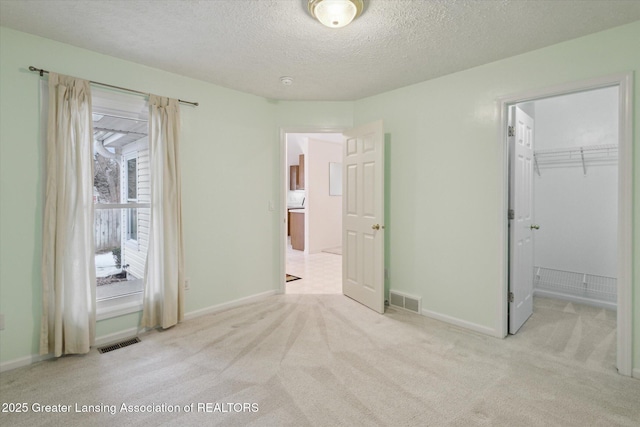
x=293 y=177
x=296 y=224
x=296 y=175
x=301 y=172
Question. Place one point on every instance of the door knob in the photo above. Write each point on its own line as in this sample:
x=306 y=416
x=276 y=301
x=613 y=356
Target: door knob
x=377 y=226
x=534 y=227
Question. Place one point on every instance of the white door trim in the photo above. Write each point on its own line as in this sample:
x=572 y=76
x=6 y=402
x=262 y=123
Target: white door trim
x=624 y=81
x=284 y=187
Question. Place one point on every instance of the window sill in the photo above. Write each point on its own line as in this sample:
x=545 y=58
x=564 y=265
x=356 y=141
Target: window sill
x=118 y=306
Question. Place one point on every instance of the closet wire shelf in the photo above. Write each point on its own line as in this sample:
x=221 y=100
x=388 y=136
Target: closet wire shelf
x=587 y=286
x=595 y=154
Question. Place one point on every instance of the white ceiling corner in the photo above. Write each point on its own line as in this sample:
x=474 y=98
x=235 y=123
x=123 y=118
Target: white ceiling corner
x=248 y=45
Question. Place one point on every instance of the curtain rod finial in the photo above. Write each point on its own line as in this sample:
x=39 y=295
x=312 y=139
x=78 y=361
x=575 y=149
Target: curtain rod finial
x=32 y=68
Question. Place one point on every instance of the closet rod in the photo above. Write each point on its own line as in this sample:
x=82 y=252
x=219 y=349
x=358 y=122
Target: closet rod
x=607 y=149
x=42 y=72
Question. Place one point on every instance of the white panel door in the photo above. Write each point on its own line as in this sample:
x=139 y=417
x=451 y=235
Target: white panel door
x=521 y=226
x=363 y=216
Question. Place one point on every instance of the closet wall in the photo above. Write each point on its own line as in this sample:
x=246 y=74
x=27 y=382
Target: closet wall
x=575 y=195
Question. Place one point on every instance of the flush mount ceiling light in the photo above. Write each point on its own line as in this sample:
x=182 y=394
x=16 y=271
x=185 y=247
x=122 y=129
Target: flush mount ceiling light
x=335 y=13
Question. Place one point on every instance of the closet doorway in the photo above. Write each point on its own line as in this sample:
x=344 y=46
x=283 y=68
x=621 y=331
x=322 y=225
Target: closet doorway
x=575 y=196
x=569 y=210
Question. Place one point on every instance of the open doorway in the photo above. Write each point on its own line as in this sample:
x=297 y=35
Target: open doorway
x=313 y=248
x=569 y=165
x=575 y=196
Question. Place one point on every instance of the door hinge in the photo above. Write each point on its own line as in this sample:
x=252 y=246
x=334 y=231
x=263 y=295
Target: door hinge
x=511 y=298
x=512 y=214
x=512 y=131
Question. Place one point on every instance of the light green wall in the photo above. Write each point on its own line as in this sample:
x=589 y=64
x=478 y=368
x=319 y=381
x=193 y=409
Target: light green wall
x=231 y=161
x=442 y=166
x=317 y=115
x=445 y=170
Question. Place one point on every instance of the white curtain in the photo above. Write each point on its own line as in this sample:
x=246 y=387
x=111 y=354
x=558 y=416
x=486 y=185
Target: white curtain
x=164 y=278
x=68 y=263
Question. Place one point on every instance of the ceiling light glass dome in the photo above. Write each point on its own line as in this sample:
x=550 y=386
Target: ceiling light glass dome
x=335 y=13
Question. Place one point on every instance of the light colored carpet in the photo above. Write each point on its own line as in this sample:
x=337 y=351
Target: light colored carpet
x=325 y=360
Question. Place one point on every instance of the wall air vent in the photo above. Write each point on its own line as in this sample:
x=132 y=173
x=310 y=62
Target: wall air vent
x=407 y=302
x=111 y=347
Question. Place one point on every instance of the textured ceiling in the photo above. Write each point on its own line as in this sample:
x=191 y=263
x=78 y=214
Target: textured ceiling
x=249 y=44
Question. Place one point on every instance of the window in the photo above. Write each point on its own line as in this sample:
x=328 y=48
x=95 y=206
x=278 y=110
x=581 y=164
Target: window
x=122 y=197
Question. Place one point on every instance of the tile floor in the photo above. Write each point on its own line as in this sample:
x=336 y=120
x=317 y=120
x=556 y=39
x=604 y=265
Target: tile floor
x=321 y=273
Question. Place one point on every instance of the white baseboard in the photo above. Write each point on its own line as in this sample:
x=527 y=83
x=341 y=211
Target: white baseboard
x=636 y=373
x=23 y=361
x=231 y=304
x=35 y=358
x=462 y=323
x=131 y=332
x=581 y=300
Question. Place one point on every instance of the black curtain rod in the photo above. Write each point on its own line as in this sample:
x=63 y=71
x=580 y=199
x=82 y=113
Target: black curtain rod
x=42 y=72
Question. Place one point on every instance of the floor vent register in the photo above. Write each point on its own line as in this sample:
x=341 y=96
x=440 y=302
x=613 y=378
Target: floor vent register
x=111 y=347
